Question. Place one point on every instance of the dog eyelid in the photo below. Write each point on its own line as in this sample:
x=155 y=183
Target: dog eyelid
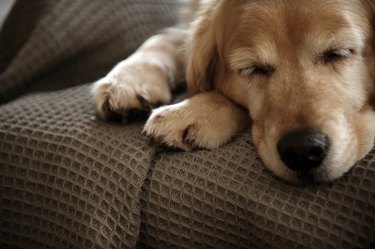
x=333 y=55
x=260 y=70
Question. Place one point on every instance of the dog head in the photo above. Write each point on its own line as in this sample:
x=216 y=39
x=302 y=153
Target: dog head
x=304 y=70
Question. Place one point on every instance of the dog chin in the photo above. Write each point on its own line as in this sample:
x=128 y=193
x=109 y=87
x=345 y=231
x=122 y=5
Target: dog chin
x=306 y=178
x=328 y=172
x=318 y=176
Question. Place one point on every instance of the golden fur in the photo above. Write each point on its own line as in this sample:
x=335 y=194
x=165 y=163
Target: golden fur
x=289 y=64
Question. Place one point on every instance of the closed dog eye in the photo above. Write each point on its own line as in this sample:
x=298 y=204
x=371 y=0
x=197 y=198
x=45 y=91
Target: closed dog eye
x=257 y=70
x=335 y=55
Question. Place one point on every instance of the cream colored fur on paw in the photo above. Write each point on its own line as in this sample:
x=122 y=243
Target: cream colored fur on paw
x=206 y=120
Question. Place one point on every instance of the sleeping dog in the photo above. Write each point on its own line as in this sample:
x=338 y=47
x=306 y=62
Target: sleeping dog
x=301 y=72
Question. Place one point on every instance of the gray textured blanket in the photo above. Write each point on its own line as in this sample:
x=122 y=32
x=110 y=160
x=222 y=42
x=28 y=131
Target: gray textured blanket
x=68 y=180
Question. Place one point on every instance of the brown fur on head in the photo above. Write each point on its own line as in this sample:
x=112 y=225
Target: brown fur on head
x=202 y=56
x=294 y=65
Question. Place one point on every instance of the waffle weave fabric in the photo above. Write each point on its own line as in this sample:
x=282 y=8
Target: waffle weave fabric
x=48 y=44
x=68 y=180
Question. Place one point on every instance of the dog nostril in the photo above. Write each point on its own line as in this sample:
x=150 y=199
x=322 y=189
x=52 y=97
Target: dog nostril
x=303 y=150
x=315 y=153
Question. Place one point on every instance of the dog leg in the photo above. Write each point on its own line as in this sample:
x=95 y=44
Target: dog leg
x=144 y=80
x=206 y=120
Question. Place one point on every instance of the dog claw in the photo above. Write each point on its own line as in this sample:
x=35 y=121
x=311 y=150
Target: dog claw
x=106 y=106
x=126 y=116
x=145 y=104
x=187 y=142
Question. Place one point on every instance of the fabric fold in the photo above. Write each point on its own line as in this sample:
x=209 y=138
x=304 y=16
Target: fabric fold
x=47 y=44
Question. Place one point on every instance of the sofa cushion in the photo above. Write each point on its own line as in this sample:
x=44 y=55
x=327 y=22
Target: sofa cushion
x=69 y=180
x=48 y=44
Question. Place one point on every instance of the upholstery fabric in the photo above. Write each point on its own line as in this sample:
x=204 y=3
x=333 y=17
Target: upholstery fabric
x=49 y=44
x=68 y=180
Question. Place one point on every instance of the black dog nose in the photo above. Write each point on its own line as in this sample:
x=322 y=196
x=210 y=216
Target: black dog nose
x=303 y=150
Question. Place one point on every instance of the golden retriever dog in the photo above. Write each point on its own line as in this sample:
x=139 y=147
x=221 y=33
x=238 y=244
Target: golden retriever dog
x=301 y=72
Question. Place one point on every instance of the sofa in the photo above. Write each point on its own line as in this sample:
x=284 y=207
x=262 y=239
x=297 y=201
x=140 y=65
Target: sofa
x=69 y=180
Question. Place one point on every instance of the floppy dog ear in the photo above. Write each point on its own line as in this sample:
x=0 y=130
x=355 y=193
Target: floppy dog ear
x=201 y=55
x=371 y=7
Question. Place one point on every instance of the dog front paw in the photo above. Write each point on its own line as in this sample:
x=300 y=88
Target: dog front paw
x=206 y=120
x=129 y=92
x=171 y=126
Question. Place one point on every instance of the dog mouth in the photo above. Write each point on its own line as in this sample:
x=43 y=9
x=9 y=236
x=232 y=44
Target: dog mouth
x=303 y=178
x=311 y=177
x=315 y=176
